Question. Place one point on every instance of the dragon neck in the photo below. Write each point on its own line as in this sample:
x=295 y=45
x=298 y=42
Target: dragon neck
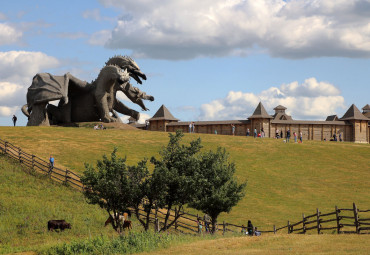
x=106 y=74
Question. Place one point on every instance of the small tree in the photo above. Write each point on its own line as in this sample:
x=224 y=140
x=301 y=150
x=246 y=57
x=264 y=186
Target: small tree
x=218 y=190
x=174 y=173
x=114 y=186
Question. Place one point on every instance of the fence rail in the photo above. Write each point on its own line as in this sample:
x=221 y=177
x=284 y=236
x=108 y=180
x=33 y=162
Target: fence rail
x=345 y=220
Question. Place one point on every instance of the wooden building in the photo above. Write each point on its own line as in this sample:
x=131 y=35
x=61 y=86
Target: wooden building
x=354 y=126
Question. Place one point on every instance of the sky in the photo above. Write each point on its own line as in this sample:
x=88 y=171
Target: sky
x=204 y=60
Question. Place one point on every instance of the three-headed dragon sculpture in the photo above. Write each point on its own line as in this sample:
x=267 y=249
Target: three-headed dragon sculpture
x=80 y=101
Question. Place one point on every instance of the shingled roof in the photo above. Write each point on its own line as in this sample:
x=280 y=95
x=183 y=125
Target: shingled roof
x=332 y=118
x=366 y=108
x=353 y=113
x=163 y=114
x=260 y=113
x=280 y=107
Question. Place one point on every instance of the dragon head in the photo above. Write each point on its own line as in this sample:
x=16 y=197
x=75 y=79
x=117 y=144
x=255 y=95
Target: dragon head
x=123 y=77
x=125 y=62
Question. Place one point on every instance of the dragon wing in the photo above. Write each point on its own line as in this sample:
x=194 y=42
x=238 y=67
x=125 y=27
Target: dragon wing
x=46 y=87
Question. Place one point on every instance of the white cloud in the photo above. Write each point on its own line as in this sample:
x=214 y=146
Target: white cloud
x=7 y=111
x=310 y=88
x=310 y=100
x=12 y=94
x=21 y=66
x=292 y=29
x=142 y=119
x=100 y=38
x=17 y=69
x=9 y=34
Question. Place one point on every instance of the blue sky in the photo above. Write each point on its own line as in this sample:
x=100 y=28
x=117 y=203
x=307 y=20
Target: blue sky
x=208 y=60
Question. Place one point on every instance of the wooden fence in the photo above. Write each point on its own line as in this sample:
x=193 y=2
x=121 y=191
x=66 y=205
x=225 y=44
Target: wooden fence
x=37 y=164
x=339 y=221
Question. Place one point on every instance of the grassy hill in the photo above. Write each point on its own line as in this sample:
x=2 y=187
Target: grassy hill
x=27 y=202
x=284 y=180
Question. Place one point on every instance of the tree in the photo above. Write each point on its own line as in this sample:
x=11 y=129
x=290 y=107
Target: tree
x=174 y=173
x=114 y=186
x=218 y=190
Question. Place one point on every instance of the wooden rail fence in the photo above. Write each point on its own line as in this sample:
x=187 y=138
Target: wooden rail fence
x=341 y=220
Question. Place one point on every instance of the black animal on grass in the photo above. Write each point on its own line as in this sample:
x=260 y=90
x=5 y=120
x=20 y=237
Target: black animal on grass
x=58 y=224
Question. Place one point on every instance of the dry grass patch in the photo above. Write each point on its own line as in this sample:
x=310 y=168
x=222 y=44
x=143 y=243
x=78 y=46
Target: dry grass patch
x=275 y=244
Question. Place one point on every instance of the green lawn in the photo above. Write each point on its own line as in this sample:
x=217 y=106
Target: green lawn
x=27 y=203
x=284 y=180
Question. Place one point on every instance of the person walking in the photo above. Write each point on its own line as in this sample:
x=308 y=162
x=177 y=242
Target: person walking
x=14 y=119
x=51 y=161
x=248 y=132
x=233 y=129
x=295 y=136
x=190 y=127
x=255 y=132
x=287 y=135
x=250 y=228
x=301 y=136
x=262 y=133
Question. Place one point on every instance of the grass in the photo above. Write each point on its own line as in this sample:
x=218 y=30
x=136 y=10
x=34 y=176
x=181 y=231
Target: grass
x=130 y=243
x=28 y=202
x=274 y=244
x=284 y=180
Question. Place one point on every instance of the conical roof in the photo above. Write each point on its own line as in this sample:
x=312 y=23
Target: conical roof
x=366 y=107
x=260 y=113
x=353 y=113
x=280 y=107
x=163 y=114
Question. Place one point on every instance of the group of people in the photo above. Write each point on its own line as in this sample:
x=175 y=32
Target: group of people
x=206 y=223
x=279 y=135
x=97 y=127
x=191 y=127
x=250 y=230
x=255 y=133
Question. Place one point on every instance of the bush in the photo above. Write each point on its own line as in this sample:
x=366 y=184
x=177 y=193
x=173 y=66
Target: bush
x=131 y=243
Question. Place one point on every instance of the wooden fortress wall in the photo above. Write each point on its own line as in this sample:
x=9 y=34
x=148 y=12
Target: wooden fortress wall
x=359 y=131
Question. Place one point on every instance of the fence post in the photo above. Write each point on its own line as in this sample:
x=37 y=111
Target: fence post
x=288 y=227
x=6 y=145
x=318 y=221
x=50 y=170
x=338 y=219
x=304 y=224
x=355 y=212
x=66 y=177
x=176 y=213
x=156 y=223
x=223 y=228
x=274 y=229
x=33 y=162
x=19 y=155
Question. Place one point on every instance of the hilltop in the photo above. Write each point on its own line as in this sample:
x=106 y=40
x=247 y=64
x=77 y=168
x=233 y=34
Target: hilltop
x=284 y=180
